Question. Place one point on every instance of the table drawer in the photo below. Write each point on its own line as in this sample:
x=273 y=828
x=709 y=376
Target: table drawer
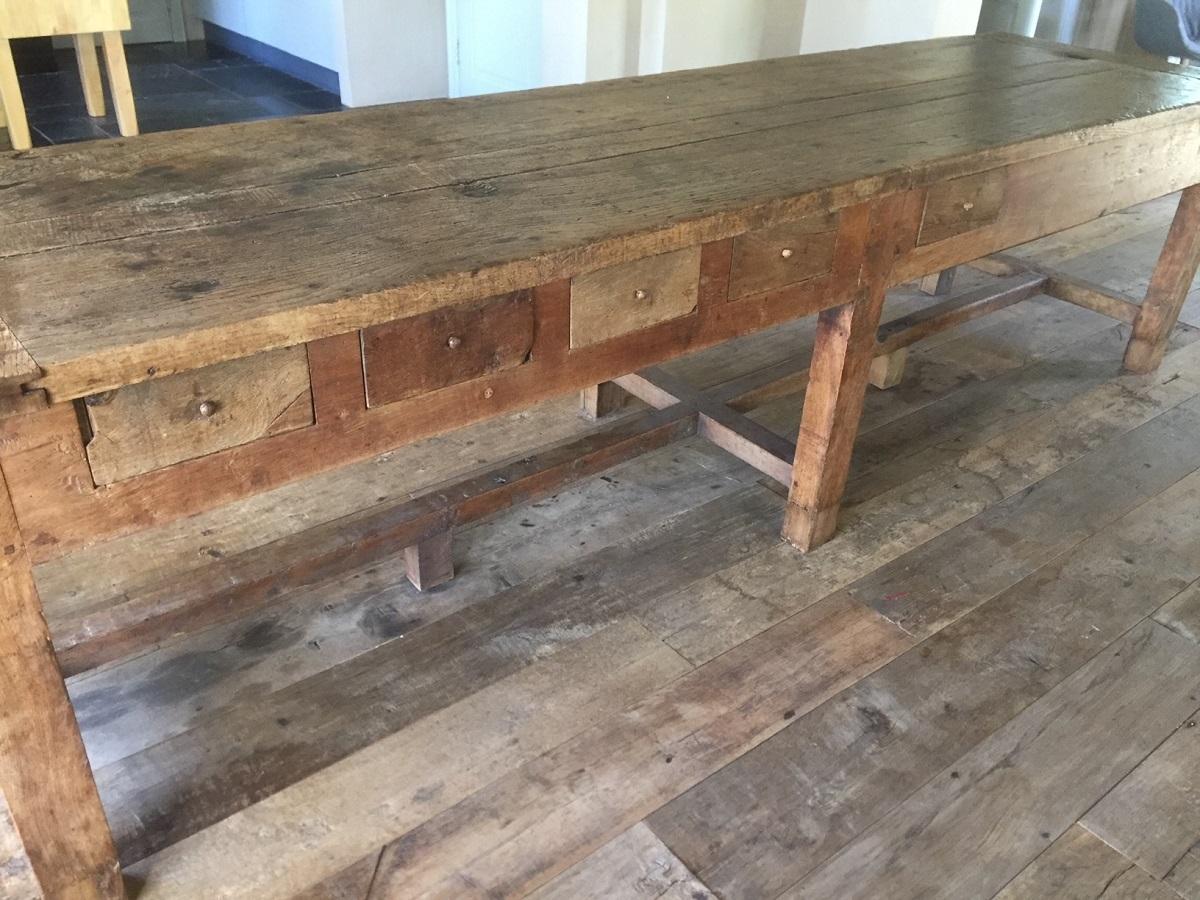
x=962 y=205
x=771 y=258
x=155 y=424
x=631 y=296
x=423 y=353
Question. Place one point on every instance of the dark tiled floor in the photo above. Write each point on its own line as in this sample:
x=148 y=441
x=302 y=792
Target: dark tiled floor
x=175 y=86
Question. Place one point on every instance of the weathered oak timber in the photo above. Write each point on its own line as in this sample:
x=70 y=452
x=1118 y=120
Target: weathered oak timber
x=842 y=355
x=44 y=773
x=1066 y=287
x=600 y=400
x=1168 y=288
x=563 y=211
x=430 y=562
x=731 y=431
x=940 y=283
x=438 y=264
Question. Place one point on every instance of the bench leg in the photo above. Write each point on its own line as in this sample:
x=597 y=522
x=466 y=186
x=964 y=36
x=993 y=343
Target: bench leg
x=44 y=772
x=599 y=400
x=1168 y=287
x=89 y=74
x=430 y=562
x=887 y=371
x=10 y=99
x=118 y=82
x=939 y=283
x=841 y=362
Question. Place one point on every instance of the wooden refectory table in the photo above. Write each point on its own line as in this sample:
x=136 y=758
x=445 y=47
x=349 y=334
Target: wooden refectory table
x=193 y=317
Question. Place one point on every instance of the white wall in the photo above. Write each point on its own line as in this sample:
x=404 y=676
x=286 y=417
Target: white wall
x=391 y=50
x=610 y=39
x=308 y=29
x=842 y=24
x=383 y=50
x=388 y=51
x=592 y=39
x=716 y=32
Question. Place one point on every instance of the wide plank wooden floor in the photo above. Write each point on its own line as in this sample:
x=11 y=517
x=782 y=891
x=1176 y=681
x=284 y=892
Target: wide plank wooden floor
x=987 y=685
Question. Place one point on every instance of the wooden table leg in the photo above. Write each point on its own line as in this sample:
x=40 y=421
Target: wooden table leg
x=1168 y=287
x=842 y=354
x=431 y=562
x=118 y=82
x=887 y=371
x=939 y=284
x=599 y=400
x=10 y=99
x=44 y=772
x=89 y=73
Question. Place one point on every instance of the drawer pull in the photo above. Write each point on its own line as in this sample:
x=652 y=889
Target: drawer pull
x=961 y=205
x=631 y=296
x=775 y=257
x=148 y=426
x=420 y=354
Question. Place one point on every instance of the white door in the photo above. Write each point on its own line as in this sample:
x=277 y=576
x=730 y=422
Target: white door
x=155 y=21
x=495 y=45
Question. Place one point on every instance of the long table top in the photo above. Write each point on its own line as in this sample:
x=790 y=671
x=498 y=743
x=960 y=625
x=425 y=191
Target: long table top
x=121 y=260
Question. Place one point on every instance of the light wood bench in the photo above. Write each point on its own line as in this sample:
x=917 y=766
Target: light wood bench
x=82 y=20
x=201 y=316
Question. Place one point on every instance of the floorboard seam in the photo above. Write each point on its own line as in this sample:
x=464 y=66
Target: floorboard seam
x=916 y=648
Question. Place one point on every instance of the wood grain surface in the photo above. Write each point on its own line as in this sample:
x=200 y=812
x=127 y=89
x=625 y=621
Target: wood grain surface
x=503 y=209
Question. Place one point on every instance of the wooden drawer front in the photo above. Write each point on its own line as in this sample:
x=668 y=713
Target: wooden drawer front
x=611 y=302
x=155 y=424
x=962 y=205
x=424 y=353
x=775 y=257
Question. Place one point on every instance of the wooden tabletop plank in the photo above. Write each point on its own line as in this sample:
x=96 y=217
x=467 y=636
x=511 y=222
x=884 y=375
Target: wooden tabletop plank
x=160 y=169
x=412 y=207
x=117 y=204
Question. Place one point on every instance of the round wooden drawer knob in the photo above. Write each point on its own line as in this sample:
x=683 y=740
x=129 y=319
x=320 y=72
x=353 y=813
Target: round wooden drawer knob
x=787 y=252
x=208 y=408
x=454 y=342
x=640 y=294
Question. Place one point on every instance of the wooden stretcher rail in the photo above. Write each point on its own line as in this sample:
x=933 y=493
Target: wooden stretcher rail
x=520 y=248
x=1062 y=286
x=233 y=586
x=59 y=505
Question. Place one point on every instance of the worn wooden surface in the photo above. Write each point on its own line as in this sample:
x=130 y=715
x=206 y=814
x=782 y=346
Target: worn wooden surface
x=19 y=18
x=1169 y=287
x=414 y=356
x=1153 y=816
x=632 y=688
x=842 y=354
x=634 y=866
x=464 y=205
x=1079 y=866
x=632 y=296
x=45 y=778
x=769 y=258
x=626 y=299
x=613 y=239
x=17 y=878
x=152 y=425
